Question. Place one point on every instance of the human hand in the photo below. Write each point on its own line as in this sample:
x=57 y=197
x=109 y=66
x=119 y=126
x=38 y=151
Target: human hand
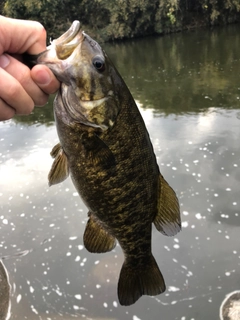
x=21 y=88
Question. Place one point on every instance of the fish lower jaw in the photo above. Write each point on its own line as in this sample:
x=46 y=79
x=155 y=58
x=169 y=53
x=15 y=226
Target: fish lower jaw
x=90 y=104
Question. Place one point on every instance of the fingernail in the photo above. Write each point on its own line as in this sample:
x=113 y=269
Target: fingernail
x=4 y=61
x=43 y=77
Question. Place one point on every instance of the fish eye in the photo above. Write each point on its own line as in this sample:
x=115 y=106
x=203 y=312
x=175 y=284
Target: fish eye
x=99 y=64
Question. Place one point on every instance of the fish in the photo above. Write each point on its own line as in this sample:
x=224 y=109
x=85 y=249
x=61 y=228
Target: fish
x=105 y=148
x=5 y=293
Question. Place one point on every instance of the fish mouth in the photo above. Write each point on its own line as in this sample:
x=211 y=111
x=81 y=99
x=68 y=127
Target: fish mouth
x=67 y=43
x=91 y=104
x=60 y=48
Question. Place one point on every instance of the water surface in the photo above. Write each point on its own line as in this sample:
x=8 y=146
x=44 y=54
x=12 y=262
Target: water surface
x=188 y=89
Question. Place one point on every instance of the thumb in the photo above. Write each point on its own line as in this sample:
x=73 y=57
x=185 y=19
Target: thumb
x=45 y=79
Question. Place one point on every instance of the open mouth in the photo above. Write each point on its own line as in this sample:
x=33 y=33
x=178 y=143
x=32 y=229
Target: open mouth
x=66 y=43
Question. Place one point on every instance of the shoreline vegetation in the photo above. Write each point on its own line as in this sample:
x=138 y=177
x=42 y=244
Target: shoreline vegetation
x=109 y=20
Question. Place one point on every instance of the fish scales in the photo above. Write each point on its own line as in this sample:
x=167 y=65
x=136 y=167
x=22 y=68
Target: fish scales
x=129 y=186
x=106 y=148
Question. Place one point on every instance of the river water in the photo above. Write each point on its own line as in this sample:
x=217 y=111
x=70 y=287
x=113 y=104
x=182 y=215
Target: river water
x=188 y=89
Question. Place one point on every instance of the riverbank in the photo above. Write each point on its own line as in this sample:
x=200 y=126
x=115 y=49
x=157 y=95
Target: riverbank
x=108 y=20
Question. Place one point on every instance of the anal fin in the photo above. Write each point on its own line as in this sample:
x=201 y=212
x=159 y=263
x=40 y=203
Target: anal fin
x=167 y=220
x=59 y=170
x=96 y=239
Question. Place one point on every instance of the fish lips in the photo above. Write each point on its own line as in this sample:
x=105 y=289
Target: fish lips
x=59 y=49
x=57 y=53
x=67 y=43
x=69 y=35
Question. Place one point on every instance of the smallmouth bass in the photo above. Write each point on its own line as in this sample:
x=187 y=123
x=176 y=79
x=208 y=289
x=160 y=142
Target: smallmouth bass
x=106 y=149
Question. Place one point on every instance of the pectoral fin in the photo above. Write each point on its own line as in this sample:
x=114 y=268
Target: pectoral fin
x=167 y=220
x=55 y=150
x=97 y=150
x=59 y=170
x=96 y=239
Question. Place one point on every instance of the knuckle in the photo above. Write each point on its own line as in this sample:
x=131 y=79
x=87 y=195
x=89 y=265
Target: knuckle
x=38 y=26
x=13 y=89
x=40 y=29
x=25 y=105
x=24 y=77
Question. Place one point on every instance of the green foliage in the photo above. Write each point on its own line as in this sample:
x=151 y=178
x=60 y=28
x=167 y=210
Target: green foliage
x=129 y=18
x=117 y=19
x=49 y=13
x=2 y=2
x=167 y=16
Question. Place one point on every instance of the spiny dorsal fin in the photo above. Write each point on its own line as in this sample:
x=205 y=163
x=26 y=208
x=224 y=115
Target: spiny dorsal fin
x=167 y=220
x=59 y=170
x=96 y=239
x=97 y=150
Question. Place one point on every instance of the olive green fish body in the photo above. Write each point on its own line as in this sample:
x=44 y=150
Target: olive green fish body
x=106 y=148
x=123 y=193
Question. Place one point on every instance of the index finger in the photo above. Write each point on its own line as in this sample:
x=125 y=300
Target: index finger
x=19 y=36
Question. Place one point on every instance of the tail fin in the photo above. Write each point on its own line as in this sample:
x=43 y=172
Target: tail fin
x=135 y=282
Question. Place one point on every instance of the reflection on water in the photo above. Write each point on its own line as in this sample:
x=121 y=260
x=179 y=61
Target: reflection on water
x=188 y=88
x=181 y=73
